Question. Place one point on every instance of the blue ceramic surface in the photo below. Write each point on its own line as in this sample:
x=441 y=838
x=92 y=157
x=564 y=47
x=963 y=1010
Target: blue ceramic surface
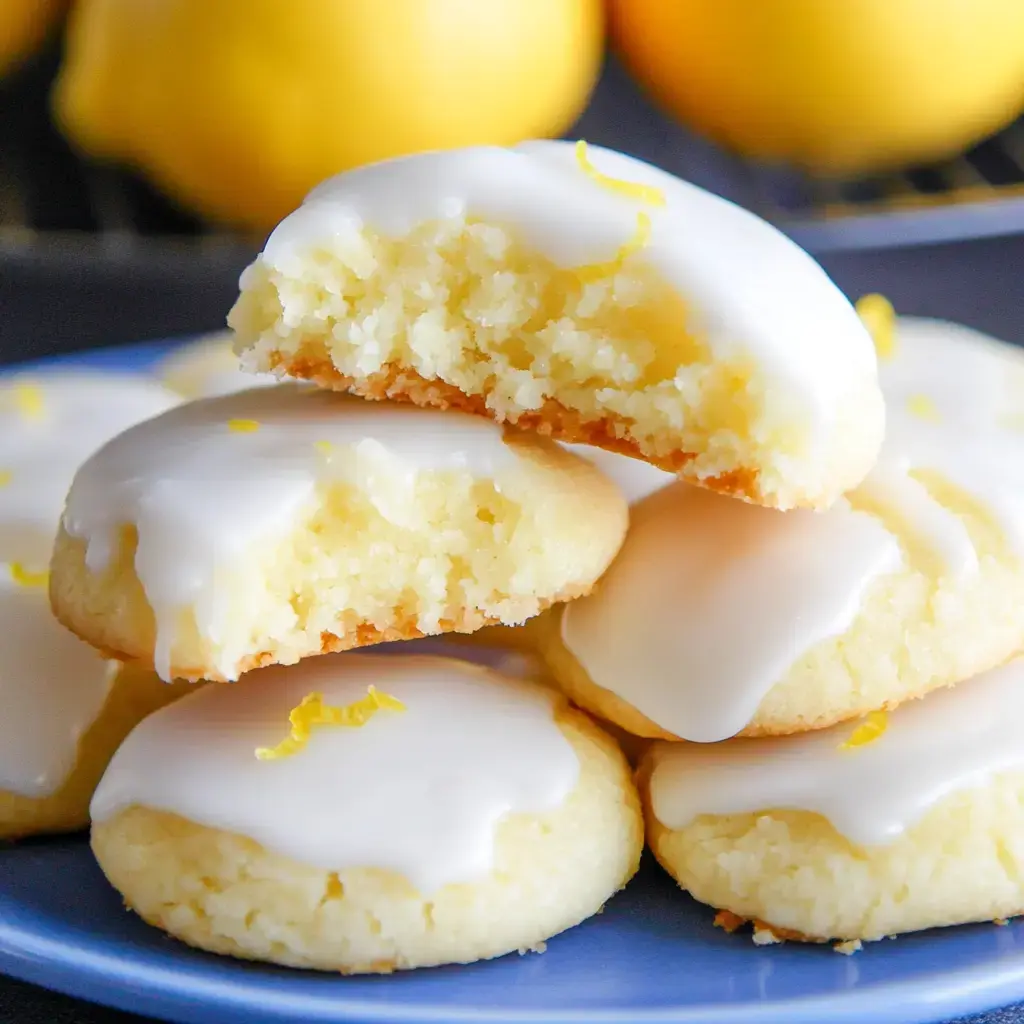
x=652 y=956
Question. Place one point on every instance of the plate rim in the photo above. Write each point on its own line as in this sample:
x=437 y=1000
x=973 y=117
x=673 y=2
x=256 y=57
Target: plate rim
x=104 y=977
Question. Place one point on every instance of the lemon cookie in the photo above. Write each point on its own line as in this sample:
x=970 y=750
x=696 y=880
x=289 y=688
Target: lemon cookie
x=207 y=367
x=276 y=523
x=419 y=811
x=50 y=422
x=841 y=835
x=63 y=708
x=719 y=618
x=583 y=294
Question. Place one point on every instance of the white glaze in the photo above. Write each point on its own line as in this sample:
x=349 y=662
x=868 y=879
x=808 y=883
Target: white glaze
x=634 y=478
x=709 y=604
x=506 y=662
x=711 y=600
x=418 y=792
x=202 y=497
x=953 y=740
x=79 y=412
x=208 y=367
x=751 y=292
x=976 y=385
x=52 y=686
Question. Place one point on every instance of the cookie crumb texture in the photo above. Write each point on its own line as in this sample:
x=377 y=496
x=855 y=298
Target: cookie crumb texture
x=458 y=314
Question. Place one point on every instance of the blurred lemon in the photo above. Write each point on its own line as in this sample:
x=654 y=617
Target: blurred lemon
x=238 y=107
x=837 y=86
x=23 y=25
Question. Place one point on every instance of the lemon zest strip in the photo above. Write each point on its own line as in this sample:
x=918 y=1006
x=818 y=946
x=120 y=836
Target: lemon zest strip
x=878 y=316
x=312 y=711
x=632 y=189
x=6 y=476
x=923 y=408
x=596 y=271
x=26 y=577
x=243 y=426
x=872 y=728
x=28 y=399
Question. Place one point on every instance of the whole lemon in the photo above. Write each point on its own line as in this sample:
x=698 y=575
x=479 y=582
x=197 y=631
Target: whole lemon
x=836 y=86
x=238 y=107
x=23 y=25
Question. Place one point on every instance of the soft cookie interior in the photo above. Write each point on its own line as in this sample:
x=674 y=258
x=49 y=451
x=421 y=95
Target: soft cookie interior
x=399 y=299
x=378 y=548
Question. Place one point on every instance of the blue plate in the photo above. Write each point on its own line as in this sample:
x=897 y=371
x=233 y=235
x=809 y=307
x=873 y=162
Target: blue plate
x=652 y=956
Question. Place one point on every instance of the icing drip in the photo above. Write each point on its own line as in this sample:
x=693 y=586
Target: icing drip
x=953 y=740
x=661 y=629
x=204 y=493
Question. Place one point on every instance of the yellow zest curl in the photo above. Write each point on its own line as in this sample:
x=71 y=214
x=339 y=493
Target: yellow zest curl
x=871 y=729
x=26 y=577
x=632 y=189
x=312 y=711
x=879 y=318
x=6 y=476
x=243 y=426
x=596 y=271
x=923 y=408
x=28 y=398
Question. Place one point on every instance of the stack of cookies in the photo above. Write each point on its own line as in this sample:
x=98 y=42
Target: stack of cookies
x=555 y=386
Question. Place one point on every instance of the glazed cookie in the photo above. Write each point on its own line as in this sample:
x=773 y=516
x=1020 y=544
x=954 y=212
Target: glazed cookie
x=853 y=834
x=277 y=523
x=49 y=423
x=208 y=367
x=63 y=708
x=582 y=294
x=719 y=618
x=419 y=811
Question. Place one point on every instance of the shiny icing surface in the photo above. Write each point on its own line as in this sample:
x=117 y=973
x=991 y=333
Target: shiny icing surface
x=635 y=478
x=480 y=746
x=52 y=686
x=210 y=481
x=750 y=291
x=697 y=572
x=48 y=426
x=953 y=740
x=955 y=404
x=711 y=600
